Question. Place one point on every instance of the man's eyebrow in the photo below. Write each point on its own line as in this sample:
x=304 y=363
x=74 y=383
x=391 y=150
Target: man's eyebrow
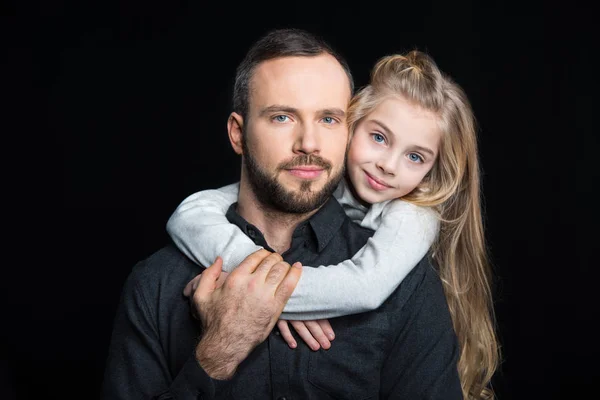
x=389 y=132
x=277 y=108
x=337 y=112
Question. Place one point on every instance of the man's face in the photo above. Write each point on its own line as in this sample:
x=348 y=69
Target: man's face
x=295 y=132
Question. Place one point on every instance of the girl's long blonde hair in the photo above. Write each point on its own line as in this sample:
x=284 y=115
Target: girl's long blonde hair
x=452 y=187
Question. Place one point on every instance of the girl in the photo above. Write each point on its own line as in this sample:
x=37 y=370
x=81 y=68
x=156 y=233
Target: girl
x=413 y=177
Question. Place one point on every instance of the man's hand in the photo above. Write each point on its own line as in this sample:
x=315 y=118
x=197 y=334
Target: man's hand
x=192 y=285
x=241 y=313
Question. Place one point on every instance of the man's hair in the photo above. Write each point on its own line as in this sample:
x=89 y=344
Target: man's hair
x=279 y=43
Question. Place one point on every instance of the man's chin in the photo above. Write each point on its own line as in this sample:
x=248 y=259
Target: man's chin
x=300 y=201
x=301 y=196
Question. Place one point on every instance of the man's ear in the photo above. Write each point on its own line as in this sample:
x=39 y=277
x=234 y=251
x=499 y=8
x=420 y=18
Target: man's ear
x=235 y=127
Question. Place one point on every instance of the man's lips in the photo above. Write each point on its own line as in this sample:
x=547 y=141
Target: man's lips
x=306 y=172
x=375 y=183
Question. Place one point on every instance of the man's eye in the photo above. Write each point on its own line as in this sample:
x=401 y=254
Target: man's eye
x=280 y=118
x=329 y=120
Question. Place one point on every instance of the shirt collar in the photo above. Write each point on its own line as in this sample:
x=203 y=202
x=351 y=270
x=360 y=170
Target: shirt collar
x=324 y=224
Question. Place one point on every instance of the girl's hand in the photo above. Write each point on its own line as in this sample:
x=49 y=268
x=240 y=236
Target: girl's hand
x=316 y=334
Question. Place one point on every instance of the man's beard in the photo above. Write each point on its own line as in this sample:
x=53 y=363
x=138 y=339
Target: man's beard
x=272 y=195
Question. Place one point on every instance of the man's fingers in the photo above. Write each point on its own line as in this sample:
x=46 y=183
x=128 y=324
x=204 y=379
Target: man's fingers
x=317 y=332
x=208 y=278
x=221 y=279
x=250 y=263
x=284 y=329
x=305 y=334
x=191 y=286
x=267 y=264
x=288 y=284
x=276 y=274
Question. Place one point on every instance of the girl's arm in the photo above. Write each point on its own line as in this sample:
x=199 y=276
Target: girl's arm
x=200 y=229
x=403 y=235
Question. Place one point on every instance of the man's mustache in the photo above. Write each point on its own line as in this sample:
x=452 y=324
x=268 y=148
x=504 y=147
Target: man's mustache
x=307 y=159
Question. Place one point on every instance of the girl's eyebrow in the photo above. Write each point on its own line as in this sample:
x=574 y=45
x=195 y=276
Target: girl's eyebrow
x=425 y=150
x=383 y=126
x=391 y=133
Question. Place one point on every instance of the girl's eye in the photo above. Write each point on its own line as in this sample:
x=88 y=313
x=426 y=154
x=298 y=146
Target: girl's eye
x=414 y=157
x=377 y=137
x=280 y=118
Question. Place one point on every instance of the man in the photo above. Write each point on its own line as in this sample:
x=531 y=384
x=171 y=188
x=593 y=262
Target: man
x=289 y=126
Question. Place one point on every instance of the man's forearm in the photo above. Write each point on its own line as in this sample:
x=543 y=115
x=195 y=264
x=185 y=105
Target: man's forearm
x=218 y=358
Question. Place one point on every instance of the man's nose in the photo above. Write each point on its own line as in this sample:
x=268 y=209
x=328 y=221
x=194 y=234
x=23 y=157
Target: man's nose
x=307 y=139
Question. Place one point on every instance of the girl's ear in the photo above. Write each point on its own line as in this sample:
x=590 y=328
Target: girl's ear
x=235 y=129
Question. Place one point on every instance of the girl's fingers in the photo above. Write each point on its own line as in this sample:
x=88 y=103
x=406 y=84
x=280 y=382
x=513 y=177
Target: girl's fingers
x=284 y=329
x=300 y=327
x=317 y=332
x=327 y=329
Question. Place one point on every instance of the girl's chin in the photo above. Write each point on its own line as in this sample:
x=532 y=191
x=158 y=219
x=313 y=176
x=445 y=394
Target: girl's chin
x=367 y=196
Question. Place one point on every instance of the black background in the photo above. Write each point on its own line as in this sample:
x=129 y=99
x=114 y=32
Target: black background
x=133 y=96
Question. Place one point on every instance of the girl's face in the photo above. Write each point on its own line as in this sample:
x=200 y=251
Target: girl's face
x=392 y=150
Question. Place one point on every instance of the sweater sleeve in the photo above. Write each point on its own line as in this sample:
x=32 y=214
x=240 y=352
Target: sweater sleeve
x=200 y=229
x=403 y=235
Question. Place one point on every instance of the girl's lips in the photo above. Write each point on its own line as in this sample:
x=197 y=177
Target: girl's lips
x=375 y=184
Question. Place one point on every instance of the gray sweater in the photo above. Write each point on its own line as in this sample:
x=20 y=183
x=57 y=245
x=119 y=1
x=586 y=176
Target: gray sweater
x=404 y=234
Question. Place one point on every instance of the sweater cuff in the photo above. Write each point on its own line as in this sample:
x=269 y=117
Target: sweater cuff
x=193 y=382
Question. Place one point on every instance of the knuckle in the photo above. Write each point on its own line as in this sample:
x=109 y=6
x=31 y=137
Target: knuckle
x=261 y=253
x=282 y=266
x=276 y=273
x=231 y=282
x=296 y=324
x=276 y=257
x=252 y=285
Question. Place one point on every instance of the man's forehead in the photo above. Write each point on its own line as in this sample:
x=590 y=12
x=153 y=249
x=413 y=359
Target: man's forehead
x=314 y=82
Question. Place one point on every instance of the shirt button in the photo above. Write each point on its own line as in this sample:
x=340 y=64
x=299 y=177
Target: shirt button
x=251 y=232
x=277 y=333
x=282 y=398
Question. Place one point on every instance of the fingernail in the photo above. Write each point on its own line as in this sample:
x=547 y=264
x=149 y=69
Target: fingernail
x=331 y=336
x=293 y=345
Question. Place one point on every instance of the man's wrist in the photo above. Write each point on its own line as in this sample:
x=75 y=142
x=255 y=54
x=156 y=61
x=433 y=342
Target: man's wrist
x=215 y=360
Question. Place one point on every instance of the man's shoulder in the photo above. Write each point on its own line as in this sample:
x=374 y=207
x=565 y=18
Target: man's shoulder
x=166 y=267
x=423 y=292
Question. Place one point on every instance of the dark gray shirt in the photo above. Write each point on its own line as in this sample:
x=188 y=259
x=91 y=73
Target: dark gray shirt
x=405 y=349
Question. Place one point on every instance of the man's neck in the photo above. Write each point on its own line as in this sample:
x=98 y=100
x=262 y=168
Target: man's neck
x=277 y=227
